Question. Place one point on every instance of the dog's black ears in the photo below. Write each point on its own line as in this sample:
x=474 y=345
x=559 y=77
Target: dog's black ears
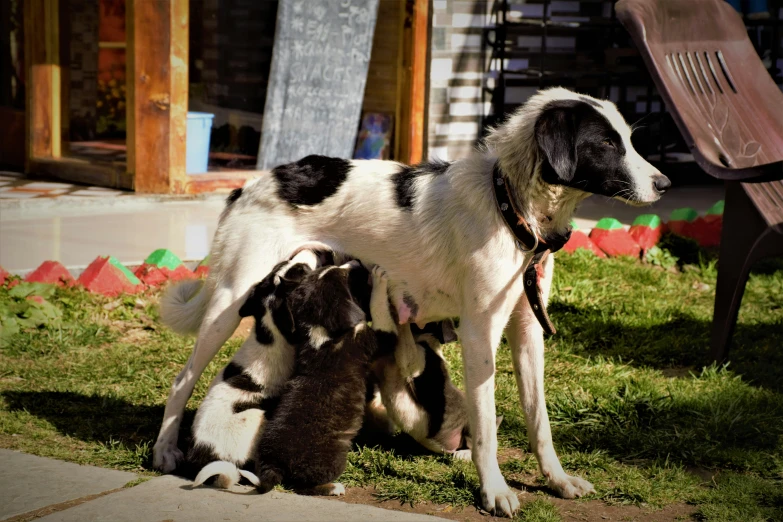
x=254 y=301
x=555 y=133
x=344 y=317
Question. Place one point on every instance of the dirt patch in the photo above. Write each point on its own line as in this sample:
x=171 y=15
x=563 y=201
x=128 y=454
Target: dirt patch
x=570 y=510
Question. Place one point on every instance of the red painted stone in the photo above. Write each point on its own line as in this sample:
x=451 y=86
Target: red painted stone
x=151 y=275
x=51 y=272
x=179 y=273
x=102 y=277
x=3 y=275
x=681 y=221
x=615 y=242
x=646 y=231
x=645 y=237
x=201 y=271
x=580 y=240
x=706 y=230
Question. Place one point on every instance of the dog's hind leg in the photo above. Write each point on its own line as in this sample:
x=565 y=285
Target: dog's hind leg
x=480 y=334
x=220 y=321
x=526 y=338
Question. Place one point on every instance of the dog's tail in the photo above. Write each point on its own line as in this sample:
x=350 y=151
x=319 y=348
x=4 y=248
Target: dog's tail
x=268 y=477
x=183 y=306
x=227 y=474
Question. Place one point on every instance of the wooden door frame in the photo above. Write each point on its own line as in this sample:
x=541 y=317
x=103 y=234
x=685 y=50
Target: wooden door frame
x=157 y=97
x=414 y=92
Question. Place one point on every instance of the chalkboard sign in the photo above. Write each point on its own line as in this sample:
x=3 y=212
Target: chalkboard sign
x=316 y=83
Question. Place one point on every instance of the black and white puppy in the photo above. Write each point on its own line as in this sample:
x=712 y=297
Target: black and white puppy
x=305 y=444
x=231 y=416
x=414 y=391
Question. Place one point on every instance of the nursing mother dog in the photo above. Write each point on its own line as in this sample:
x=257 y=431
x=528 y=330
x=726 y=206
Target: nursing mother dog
x=455 y=240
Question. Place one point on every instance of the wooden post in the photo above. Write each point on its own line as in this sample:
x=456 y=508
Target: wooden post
x=414 y=70
x=42 y=55
x=157 y=94
x=418 y=77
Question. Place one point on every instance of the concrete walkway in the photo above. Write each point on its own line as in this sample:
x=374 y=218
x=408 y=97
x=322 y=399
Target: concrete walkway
x=75 y=231
x=60 y=491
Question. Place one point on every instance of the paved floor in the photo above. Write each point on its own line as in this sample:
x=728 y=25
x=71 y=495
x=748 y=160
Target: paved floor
x=14 y=185
x=62 y=491
x=75 y=230
x=28 y=483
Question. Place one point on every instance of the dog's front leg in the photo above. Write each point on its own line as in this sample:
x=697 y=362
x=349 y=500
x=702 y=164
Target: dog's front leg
x=526 y=338
x=480 y=335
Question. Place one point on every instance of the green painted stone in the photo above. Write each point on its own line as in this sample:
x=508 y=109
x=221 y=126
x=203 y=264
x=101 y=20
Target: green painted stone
x=648 y=220
x=204 y=262
x=573 y=225
x=132 y=279
x=163 y=257
x=716 y=209
x=608 y=223
x=684 y=214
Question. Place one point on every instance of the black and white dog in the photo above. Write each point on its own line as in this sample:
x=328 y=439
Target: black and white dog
x=440 y=232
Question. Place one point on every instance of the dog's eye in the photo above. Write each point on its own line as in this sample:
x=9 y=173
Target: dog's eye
x=608 y=143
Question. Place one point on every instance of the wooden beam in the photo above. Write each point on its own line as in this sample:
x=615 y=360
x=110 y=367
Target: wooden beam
x=418 y=80
x=113 y=175
x=157 y=94
x=42 y=56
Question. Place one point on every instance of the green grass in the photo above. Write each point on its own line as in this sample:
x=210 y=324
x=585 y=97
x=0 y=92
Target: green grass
x=633 y=409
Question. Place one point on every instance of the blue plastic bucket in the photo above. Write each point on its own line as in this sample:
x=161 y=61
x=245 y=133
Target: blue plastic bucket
x=197 y=147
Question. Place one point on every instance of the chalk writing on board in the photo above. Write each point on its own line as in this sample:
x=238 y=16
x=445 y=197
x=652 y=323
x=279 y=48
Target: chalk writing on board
x=316 y=87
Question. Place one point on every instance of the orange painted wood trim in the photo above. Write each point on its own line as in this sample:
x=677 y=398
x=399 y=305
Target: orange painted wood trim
x=42 y=57
x=418 y=80
x=157 y=94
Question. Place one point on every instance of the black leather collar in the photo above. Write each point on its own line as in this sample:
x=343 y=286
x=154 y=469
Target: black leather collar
x=528 y=241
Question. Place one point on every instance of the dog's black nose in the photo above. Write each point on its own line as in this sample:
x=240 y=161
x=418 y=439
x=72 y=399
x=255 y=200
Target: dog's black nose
x=661 y=183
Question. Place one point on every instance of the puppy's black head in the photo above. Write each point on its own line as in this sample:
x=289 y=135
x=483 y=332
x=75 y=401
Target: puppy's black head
x=583 y=149
x=330 y=297
x=272 y=294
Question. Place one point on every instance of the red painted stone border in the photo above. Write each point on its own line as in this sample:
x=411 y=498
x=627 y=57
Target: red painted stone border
x=105 y=275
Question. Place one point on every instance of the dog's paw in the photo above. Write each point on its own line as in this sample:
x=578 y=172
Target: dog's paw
x=463 y=454
x=337 y=490
x=499 y=501
x=567 y=486
x=334 y=489
x=379 y=277
x=166 y=457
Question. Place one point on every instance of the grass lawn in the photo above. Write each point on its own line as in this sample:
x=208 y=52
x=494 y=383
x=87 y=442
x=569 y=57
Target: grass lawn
x=632 y=408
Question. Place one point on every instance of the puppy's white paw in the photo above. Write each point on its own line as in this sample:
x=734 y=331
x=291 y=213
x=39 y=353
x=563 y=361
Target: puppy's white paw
x=567 y=486
x=379 y=277
x=500 y=500
x=463 y=454
x=337 y=490
x=166 y=456
x=334 y=489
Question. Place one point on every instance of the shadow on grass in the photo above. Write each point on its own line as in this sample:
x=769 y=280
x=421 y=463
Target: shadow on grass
x=683 y=341
x=97 y=418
